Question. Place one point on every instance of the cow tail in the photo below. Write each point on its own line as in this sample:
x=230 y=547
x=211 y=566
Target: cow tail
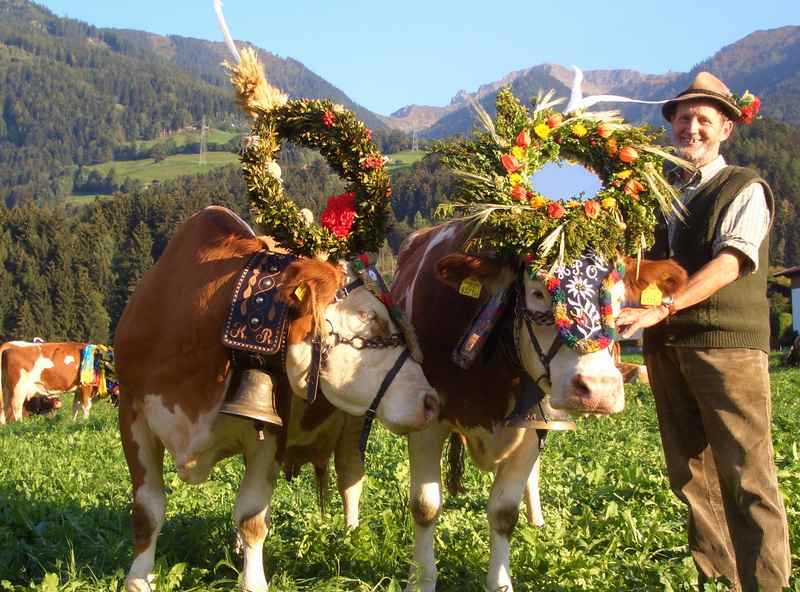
x=455 y=464
x=3 y=348
x=322 y=475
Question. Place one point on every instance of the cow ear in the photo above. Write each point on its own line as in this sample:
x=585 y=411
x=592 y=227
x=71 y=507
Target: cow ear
x=308 y=284
x=667 y=274
x=457 y=267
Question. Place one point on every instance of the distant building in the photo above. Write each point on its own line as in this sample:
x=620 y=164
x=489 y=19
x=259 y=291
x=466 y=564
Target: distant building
x=793 y=273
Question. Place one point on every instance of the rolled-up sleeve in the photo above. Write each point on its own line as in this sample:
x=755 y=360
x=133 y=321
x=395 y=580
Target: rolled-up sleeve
x=744 y=225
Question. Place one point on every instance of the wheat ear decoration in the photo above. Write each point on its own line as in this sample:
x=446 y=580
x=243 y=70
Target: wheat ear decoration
x=253 y=93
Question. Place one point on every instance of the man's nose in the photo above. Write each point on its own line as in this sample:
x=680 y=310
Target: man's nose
x=694 y=125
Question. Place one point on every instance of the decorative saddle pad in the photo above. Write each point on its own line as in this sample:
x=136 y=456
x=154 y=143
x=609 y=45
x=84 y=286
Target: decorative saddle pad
x=257 y=318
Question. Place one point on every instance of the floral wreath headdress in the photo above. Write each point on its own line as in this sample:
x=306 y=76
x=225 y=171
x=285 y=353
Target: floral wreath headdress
x=494 y=193
x=354 y=223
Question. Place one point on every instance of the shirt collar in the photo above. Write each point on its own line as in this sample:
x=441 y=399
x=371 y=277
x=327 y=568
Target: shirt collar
x=700 y=177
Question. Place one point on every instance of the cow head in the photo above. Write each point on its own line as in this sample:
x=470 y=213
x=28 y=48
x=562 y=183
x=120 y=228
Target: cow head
x=577 y=305
x=361 y=345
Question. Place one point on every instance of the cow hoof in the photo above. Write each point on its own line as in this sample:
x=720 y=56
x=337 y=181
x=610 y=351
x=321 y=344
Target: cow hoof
x=137 y=584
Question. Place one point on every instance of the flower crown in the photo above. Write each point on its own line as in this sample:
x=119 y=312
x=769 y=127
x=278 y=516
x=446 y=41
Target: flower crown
x=494 y=192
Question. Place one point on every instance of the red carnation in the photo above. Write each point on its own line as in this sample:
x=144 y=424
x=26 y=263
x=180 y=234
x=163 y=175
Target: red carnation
x=339 y=214
x=552 y=284
x=327 y=119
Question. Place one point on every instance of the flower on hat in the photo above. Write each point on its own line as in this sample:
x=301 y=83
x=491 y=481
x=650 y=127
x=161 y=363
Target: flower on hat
x=749 y=104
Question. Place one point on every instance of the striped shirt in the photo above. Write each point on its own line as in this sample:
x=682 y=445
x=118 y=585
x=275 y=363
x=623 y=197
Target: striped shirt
x=745 y=223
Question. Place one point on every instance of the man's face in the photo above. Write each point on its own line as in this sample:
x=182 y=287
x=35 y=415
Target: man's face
x=698 y=129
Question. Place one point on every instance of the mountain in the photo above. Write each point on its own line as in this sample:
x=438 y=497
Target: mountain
x=72 y=94
x=201 y=59
x=765 y=62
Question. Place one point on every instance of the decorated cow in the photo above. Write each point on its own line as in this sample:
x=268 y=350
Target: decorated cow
x=30 y=369
x=515 y=301
x=223 y=345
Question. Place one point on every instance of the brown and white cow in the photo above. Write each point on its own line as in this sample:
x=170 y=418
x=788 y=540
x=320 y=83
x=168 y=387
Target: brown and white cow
x=173 y=372
x=41 y=368
x=476 y=401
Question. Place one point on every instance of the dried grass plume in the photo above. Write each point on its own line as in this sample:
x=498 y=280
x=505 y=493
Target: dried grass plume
x=253 y=93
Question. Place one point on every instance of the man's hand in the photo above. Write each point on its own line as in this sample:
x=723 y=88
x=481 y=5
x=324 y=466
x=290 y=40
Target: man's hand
x=630 y=320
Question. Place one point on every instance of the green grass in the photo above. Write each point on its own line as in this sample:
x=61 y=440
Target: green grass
x=611 y=522
x=214 y=136
x=147 y=170
x=404 y=159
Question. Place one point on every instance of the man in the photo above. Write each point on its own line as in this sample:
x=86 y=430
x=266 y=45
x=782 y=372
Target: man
x=706 y=352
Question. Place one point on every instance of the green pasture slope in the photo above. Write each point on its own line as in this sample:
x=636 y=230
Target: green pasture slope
x=611 y=523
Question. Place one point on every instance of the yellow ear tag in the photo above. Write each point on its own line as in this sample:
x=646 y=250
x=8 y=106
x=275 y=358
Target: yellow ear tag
x=651 y=296
x=300 y=292
x=470 y=287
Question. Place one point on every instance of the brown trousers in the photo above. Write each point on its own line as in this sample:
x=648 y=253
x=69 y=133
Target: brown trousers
x=714 y=413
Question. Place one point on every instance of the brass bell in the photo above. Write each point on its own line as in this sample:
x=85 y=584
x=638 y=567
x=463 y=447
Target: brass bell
x=253 y=398
x=544 y=417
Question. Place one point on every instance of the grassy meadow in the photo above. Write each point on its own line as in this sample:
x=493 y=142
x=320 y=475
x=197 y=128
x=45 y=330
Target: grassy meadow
x=611 y=523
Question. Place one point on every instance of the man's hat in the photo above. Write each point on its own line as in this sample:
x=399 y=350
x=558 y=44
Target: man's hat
x=709 y=87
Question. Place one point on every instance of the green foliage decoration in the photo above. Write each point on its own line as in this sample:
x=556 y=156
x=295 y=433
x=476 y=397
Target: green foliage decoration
x=494 y=191
x=346 y=144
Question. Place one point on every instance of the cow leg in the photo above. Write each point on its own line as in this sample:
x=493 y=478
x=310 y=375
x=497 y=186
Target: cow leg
x=425 y=453
x=349 y=470
x=251 y=511
x=145 y=456
x=533 y=503
x=504 y=500
x=16 y=402
x=82 y=401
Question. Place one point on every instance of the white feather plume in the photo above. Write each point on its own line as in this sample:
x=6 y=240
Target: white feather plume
x=578 y=101
x=226 y=33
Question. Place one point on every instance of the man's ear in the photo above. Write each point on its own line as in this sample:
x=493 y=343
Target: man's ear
x=455 y=268
x=667 y=274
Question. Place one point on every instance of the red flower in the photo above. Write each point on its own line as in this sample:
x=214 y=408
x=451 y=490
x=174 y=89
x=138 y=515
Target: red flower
x=603 y=131
x=523 y=139
x=518 y=193
x=634 y=187
x=554 y=120
x=327 y=119
x=603 y=342
x=592 y=208
x=373 y=163
x=553 y=283
x=510 y=164
x=563 y=323
x=339 y=214
x=628 y=154
x=606 y=311
x=556 y=210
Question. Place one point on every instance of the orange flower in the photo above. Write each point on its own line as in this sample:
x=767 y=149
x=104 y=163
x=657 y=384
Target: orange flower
x=555 y=120
x=634 y=187
x=603 y=131
x=611 y=147
x=556 y=210
x=628 y=154
x=518 y=193
x=524 y=139
x=510 y=164
x=592 y=208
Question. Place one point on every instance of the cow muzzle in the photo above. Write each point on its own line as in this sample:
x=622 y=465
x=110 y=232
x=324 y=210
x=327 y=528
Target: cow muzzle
x=592 y=394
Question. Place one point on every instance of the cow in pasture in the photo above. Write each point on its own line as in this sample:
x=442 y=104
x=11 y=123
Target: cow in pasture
x=174 y=370
x=475 y=402
x=41 y=368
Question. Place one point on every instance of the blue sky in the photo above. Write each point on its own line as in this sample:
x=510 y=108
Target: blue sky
x=386 y=55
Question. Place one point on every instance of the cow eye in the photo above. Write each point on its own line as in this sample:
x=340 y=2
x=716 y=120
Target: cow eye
x=538 y=294
x=366 y=315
